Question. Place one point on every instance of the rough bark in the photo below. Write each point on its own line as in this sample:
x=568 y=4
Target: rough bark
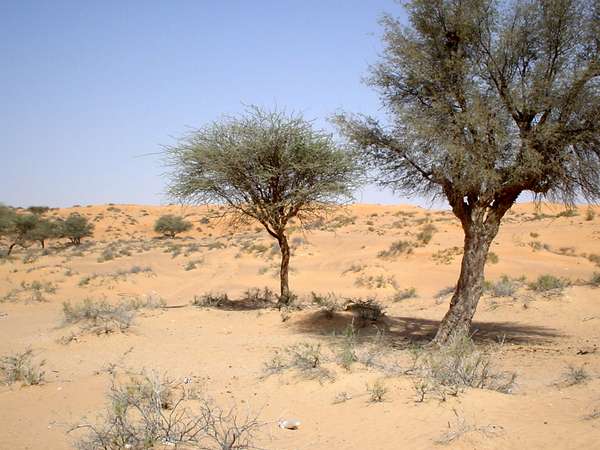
x=285 y=297
x=480 y=226
x=457 y=321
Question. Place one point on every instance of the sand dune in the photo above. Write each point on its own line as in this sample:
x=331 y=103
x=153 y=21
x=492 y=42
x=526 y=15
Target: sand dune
x=224 y=350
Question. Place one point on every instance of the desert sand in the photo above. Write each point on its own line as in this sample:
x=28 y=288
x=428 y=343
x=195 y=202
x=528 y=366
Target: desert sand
x=224 y=350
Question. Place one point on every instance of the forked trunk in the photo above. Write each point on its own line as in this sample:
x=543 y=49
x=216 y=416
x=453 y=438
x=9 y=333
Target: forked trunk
x=457 y=321
x=284 y=298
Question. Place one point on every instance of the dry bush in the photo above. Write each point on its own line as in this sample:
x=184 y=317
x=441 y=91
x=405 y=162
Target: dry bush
x=21 y=367
x=377 y=391
x=210 y=300
x=152 y=411
x=366 y=310
x=446 y=256
x=505 y=286
x=397 y=248
x=404 y=294
x=448 y=370
x=378 y=282
x=101 y=317
x=329 y=304
x=304 y=357
x=595 y=280
x=461 y=427
x=573 y=376
x=426 y=234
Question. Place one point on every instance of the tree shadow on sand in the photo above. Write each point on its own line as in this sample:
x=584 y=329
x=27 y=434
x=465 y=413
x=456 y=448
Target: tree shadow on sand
x=416 y=329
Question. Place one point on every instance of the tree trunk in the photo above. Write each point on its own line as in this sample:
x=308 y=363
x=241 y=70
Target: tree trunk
x=285 y=297
x=457 y=321
x=10 y=249
x=42 y=243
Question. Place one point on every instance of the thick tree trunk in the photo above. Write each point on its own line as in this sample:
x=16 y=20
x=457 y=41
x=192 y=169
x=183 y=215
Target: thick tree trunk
x=285 y=297
x=457 y=321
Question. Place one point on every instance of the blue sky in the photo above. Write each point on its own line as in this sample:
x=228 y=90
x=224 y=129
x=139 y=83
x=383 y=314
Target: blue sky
x=87 y=88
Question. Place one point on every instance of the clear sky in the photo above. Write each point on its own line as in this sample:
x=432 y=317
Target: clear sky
x=88 y=87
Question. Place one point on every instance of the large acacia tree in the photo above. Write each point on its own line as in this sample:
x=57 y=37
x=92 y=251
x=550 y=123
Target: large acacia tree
x=487 y=99
x=263 y=165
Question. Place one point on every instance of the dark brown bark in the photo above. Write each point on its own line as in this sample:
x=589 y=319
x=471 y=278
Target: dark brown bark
x=457 y=321
x=480 y=226
x=10 y=249
x=285 y=297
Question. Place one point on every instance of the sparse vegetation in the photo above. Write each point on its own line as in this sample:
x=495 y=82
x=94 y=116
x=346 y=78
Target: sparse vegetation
x=101 y=317
x=20 y=367
x=404 y=294
x=573 y=376
x=377 y=391
x=397 y=248
x=448 y=370
x=548 y=283
x=149 y=411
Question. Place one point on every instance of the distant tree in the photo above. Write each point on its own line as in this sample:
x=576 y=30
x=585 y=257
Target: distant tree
x=38 y=210
x=44 y=229
x=488 y=99
x=76 y=227
x=266 y=166
x=20 y=230
x=7 y=216
x=170 y=225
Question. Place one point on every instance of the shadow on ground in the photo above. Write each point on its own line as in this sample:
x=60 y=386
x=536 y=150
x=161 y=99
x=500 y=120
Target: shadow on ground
x=416 y=329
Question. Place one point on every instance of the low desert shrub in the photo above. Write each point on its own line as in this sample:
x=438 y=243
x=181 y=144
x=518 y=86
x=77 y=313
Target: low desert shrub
x=404 y=294
x=504 y=287
x=366 y=310
x=450 y=369
x=210 y=300
x=590 y=214
x=426 y=234
x=20 y=367
x=492 y=258
x=152 y=411
x=573 y=376
x=547 y=283
x=397 y=248
x=329 y=304
x=377 y=391
x=101 y=317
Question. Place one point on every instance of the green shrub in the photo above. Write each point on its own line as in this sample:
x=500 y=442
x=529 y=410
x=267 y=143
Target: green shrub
x=426 y=234
x=545 y=283
x=170 y=225
x=492 y=258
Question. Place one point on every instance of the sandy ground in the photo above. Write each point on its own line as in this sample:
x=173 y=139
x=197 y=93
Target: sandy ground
x=225 y=350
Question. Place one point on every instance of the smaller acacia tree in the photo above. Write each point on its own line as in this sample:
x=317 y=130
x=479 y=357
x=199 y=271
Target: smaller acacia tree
x=76 y=227
x=44 y=229
x=20 y=230
x=267 y=166
x=170 y=225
